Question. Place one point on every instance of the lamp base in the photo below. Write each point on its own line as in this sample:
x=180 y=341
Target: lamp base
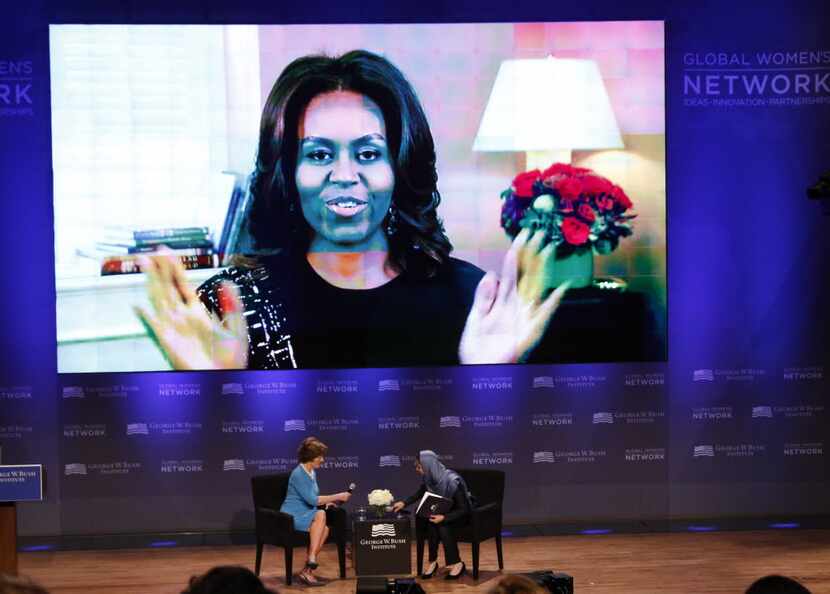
x=541 y=160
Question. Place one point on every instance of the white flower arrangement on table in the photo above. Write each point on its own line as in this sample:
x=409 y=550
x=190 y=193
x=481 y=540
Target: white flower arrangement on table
x=380 y=499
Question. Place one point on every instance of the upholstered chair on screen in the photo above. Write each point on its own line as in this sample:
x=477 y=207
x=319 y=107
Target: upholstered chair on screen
x=485 y=522
x=274 y=527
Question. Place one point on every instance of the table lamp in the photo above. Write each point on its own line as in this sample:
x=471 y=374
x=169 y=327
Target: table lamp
x=548 y=107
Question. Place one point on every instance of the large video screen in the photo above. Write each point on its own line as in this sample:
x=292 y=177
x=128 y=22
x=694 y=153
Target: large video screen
x=351 y=196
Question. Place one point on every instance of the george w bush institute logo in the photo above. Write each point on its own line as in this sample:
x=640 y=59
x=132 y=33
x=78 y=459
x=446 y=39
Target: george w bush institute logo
x=294 y=425
x=232 y=389
x=137 y=429
x=73 y=392
x=603 y=417
x=379 y=530
x=543 y=381
x=543 y=458
x=233 y=464
x=75 y=468
x=703 y=451
x=703 y=375
x=445 y=422
x=390 y=460
x=389 y=385
x=761 y=412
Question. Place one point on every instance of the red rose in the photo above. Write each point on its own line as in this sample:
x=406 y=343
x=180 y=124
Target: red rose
x=587 y=213
x=523 y=183
x=575 y=232
x=594 y=184
x=564 y=169
x=566 y=205
x=605 y=202
x=550 y=182
x=569 y=188
x=621 y=198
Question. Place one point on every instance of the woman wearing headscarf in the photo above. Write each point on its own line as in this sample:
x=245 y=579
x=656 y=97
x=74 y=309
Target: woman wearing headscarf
x=442 y=481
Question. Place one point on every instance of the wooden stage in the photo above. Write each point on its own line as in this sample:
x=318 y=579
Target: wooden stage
x=665 y=563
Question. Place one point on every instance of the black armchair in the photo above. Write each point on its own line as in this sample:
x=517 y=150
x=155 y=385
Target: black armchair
x=487 y=489
x=485 y=520
x=276 y=528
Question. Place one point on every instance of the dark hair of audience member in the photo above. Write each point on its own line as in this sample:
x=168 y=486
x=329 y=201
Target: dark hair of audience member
x=776 y=584
x=227 y=579
x=516 y=584
x=19 y=585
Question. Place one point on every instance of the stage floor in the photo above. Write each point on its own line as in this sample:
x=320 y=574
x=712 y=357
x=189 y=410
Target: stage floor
x=666 y=563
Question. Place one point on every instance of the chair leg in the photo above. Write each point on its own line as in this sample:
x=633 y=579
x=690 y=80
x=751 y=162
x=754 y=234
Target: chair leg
x=476 y=546
x=289 y=564
x=499 y=551
x=258 y=563
x=341 y=554
x=419 y=549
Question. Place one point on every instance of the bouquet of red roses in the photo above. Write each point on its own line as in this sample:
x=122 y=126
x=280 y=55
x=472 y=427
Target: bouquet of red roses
x=576 y=208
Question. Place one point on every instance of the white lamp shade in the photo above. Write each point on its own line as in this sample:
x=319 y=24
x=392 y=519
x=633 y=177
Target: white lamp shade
x=548 y=104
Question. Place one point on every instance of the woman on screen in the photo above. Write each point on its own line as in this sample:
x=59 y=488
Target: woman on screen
x=353 y=267
x=303 y=501
x=447 y=483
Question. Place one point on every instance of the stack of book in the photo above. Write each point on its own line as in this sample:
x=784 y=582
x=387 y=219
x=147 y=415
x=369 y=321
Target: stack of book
x=119 y=250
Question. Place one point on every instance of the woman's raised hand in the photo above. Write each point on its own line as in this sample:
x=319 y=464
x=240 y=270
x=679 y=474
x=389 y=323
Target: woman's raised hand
x=510 y=314
x=398 y=506
x=187 y=334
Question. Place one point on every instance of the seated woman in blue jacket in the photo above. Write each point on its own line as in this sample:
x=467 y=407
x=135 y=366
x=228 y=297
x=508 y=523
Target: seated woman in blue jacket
x=448 y=483
x=303 y=501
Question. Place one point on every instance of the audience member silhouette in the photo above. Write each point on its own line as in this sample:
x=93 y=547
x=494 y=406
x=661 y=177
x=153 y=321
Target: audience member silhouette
x=776 y=584
x=227 y=579
x=19 y=585
x=516 y=584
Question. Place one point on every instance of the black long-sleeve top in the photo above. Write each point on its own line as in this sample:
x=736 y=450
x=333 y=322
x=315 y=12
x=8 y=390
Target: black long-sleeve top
x=298 y=320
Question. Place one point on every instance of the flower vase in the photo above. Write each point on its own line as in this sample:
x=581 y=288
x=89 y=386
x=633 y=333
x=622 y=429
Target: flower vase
x=380 y=510
x=576 y=267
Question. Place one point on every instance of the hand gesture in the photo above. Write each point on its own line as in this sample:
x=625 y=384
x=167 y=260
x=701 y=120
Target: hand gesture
x=187 y=334
x=509 y=314
x=436 y=519
x=398 y=506
x=344 y=496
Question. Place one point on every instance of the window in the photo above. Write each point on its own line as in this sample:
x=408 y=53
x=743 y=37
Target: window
x=141 y=130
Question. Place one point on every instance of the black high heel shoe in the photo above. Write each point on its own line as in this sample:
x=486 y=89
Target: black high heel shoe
x=426 y=576
x=312 y=564
x=450 y=576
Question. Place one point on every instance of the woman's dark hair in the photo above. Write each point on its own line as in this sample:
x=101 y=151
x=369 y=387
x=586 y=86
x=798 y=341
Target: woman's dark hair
x=516 y=584
x=776 y=584
x=310 y=448
x=419 y=245
x=227 y=579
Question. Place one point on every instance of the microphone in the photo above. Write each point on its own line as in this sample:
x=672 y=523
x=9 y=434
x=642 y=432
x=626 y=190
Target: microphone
x=351 y=487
